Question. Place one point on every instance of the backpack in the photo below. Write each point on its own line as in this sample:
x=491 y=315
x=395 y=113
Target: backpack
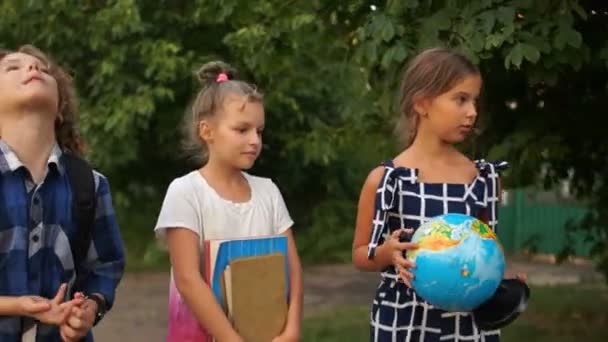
x=84 y=203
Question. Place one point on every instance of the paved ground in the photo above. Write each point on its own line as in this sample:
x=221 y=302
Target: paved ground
x=140 y=313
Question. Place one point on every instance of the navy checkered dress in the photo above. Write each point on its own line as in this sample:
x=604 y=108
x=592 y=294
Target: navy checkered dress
x=398 y=314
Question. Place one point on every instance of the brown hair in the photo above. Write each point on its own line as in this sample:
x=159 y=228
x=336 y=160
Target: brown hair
x=66 y=129
x=430 y=74
x=209 y=100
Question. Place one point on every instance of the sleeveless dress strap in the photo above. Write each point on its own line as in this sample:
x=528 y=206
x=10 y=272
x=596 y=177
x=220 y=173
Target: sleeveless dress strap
x=490 y=171
x=384 y=201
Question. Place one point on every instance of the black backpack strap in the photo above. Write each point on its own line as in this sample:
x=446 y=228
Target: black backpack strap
x=84 y=202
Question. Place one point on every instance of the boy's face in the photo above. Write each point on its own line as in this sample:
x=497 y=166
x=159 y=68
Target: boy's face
x=25 y=84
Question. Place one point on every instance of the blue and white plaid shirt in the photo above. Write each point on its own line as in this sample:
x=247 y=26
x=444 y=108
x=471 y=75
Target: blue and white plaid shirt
x=36 y=229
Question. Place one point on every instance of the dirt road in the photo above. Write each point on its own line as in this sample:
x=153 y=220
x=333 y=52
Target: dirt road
x=140 y=312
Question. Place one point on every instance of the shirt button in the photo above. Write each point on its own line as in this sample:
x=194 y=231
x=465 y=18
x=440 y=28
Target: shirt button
x=35 y=238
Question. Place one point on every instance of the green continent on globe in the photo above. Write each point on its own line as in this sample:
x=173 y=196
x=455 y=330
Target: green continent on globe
x=438 y=238
x=483 y=230
x=441 y=228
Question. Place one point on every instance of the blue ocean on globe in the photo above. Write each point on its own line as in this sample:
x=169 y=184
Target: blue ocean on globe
x=459 y=263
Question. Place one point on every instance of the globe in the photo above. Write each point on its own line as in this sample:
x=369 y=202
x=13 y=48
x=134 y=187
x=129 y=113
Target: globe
x=459 y=262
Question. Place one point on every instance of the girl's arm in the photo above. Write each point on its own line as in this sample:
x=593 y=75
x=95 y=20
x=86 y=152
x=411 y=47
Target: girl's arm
x=294 y=314
x=185 y=259
x=365 y=216
x=49 y=311
x=9 y=306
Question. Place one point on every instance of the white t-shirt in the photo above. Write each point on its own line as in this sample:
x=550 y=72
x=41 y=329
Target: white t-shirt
x=192 y=203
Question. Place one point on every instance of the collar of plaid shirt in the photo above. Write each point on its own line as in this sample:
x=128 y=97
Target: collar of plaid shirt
x=9 y=162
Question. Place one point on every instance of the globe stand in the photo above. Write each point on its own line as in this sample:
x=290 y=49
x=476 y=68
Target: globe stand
x=508 y=302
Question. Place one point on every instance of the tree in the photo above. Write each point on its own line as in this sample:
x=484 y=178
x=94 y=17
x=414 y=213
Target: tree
x=329 y=71
x=133 y=63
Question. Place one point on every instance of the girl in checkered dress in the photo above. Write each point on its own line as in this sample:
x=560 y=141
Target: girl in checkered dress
x=429 y=178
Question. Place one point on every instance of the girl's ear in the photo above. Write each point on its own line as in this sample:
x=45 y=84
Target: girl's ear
x=205 y=131
x=421 y=104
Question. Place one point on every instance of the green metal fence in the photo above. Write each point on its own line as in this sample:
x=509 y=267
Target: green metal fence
x=540 y=226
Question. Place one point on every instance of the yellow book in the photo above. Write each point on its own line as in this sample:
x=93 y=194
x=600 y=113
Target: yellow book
x=256 y=296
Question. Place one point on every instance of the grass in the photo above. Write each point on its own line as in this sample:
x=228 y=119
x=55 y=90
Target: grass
x=346 y=323
x=563 y=313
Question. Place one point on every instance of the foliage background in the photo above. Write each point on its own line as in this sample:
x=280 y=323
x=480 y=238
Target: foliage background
x=330 y=71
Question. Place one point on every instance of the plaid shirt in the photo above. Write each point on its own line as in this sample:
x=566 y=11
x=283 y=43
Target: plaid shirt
x=36 y=230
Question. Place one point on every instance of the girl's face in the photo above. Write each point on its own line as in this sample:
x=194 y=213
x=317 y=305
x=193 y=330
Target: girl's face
x=25 y=82
x=234 y=134
x=451 y=116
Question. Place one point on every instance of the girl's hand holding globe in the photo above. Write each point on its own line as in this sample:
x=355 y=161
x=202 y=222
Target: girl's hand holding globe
x=397 y=247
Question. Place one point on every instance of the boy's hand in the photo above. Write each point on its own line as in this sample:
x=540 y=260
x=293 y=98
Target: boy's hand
x=80 y=320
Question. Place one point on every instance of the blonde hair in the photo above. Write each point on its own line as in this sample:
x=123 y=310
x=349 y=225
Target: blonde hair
x=207 y=102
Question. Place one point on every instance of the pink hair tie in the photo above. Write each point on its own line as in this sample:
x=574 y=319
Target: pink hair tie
x=221 y=78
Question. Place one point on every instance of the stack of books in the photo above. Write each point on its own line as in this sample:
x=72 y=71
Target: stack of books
x=250 y=279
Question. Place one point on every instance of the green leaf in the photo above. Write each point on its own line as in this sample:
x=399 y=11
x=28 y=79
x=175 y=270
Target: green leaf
x=388 y=31
x=396 y=53
x=505 y=15
x=400 y=53
x=370 y=52
x=574 y=4
x=487 y=20
x=411 y=4
x=507 y=31
x=377 y=26
x=477 y=42
x=399 y=6
x=569 y=36
x=530 y=52
x=515 y=56
x=538 y=41
x=493 y=41
x=575 y=39
x=302 y=20
x=441 y=20
x=387 y=58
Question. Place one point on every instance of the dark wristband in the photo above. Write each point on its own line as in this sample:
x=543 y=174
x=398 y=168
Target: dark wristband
x=101 y=308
